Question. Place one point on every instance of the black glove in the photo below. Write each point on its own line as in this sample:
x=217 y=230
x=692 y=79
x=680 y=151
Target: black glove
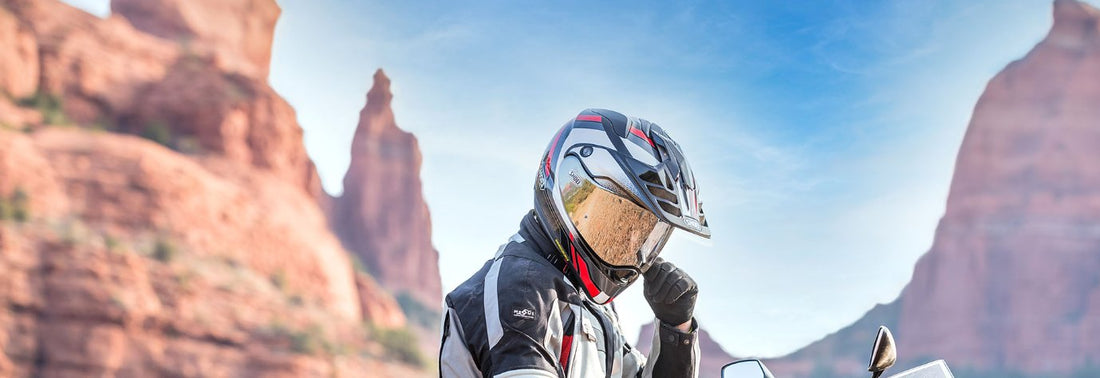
x=670 y=292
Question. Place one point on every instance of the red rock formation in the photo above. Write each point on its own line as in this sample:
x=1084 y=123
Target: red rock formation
x=242 y=119
x=120 y=257
x=131 y=186
x=377 y=305
x=238 y=32
x=18 y=57
x=107 y=73
x=1010 y=283
x=382 y=217
x=18 y=69
x=713 y=357
x=137 y=261
x=25 y=169
x=96 y=66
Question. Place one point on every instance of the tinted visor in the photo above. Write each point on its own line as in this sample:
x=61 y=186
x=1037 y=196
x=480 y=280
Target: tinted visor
x=620 y=232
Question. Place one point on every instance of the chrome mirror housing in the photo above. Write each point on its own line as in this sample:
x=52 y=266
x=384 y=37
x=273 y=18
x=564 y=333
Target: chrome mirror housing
x=883 y=353
x=746 y=369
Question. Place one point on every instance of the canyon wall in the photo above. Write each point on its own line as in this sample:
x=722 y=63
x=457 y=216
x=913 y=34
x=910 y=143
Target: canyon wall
x=159 y=215
x=1011 y=284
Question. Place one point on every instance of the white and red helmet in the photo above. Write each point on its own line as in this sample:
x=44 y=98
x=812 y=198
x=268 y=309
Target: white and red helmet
x=609 y=192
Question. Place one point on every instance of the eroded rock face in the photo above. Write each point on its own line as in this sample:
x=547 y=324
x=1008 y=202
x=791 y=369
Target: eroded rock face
x=105 y=73
x=382 y=216
x=26 y=170
x=96 y=66
x=204 y=255
x=134 y=260
x=128 y=185
x=239 y=33
x=18 y=57
x=377 y=305
x=1010 y=283
x=241 y=118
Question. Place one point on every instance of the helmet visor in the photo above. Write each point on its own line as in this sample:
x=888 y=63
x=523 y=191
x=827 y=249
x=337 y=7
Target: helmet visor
x=620 y=232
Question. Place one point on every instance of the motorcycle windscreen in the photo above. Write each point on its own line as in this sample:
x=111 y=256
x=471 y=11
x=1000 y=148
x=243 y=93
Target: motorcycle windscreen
x=934 y=369
x=619 y=231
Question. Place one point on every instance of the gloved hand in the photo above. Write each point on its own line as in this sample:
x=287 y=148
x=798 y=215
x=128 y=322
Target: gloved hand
x=670 y=292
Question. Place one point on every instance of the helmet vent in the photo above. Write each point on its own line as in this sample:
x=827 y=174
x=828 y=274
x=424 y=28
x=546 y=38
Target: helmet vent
x=669 y=208
x=651 y=177
x=663 y=194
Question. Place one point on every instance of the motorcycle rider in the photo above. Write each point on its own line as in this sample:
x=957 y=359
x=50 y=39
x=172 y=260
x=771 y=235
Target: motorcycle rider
x=610 y=189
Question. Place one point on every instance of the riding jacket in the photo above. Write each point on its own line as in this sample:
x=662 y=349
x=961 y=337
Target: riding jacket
x=520 y=316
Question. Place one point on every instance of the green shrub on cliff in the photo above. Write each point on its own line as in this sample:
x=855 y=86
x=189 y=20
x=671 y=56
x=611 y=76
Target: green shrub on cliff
x=5 y=209
x=310 y=341
x=162 y=133
x=49 y=105
x=400 y=344
x=420 y=314
x=158 y=132
x=279 y=280
x=111 y=243
x=16 y=206
x=164 y=251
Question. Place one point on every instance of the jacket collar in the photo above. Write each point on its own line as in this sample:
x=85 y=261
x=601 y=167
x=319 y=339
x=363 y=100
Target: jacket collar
x=532 y=231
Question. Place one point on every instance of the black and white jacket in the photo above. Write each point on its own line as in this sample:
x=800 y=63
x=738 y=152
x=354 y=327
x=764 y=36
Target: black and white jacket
x=519 y=316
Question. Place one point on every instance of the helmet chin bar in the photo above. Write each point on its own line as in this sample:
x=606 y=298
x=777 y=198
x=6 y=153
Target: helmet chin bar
x=586 y=276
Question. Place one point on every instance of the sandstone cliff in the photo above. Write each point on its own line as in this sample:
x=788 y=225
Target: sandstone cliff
x=106 y=73
x=120 y=257
x=198 y=250
x=381 y=216
x=18 y=57
x=1011 y=283
x=237 y=33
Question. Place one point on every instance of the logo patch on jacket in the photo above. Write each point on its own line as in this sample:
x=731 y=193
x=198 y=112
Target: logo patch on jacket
x=526 y=313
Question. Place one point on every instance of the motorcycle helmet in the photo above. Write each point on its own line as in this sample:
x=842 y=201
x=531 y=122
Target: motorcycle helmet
x=610 y=189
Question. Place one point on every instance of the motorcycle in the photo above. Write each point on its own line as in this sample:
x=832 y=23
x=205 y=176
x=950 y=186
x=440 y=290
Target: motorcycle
x=883 y=356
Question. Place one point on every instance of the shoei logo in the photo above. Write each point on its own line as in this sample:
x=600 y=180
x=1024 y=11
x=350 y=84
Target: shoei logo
x=524 y=313
x=691 y=222
x=573 y=175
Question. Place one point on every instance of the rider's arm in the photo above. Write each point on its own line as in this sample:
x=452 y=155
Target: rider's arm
x=674 y=353
x=671 y=294
x=519 y=309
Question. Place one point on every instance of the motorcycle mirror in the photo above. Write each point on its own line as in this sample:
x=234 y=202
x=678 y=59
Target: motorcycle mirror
x=883 y=354
x=746 y=369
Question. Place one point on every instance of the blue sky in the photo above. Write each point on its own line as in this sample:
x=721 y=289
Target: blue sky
x=823 y=134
